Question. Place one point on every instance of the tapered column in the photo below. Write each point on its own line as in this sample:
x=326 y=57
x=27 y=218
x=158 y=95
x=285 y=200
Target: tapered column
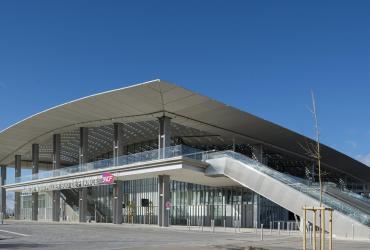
x=163 y=199
x=2 y=190
x=35 y=170
x=164 y=135
x=83 y=159
x=117 y=187
x=117 y=202
x=117 y=142
x=56 y=151
x=56 y=165
x=17 y=196
x=84 y=135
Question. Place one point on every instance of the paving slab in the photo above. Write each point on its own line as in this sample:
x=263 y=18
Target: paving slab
x=62 y=236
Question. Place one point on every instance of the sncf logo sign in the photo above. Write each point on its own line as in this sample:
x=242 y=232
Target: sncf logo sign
x=107 y=178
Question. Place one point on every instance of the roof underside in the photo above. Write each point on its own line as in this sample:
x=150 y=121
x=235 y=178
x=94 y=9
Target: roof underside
x=138 y=106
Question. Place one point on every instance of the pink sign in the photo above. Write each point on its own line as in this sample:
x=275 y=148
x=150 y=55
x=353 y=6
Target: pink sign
x=167 y=205
x=107 y=178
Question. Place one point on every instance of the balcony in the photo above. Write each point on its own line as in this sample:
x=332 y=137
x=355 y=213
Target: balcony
x=119 y=162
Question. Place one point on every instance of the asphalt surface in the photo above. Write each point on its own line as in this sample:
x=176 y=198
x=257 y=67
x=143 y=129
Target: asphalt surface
x=30 y=235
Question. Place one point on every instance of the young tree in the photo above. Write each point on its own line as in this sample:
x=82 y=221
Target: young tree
x=313 y=149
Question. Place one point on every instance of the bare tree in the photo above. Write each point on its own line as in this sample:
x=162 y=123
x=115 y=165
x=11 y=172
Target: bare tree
x=313 y=149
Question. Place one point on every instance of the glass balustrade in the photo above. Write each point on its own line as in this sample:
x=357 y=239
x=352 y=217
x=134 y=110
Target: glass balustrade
x=125 y=160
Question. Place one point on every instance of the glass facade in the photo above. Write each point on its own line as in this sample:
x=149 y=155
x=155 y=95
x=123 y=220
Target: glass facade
x=190 y=203
x=44 y=204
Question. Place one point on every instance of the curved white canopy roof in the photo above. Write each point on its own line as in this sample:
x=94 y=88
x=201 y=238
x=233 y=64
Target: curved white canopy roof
x=145 y=102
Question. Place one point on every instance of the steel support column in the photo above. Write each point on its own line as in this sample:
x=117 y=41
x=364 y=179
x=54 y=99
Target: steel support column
x=117 y=202
x=117 y=142
x=256 y=210
x=56 y=165
x=258 y=156
x=164 y=139
x=35 y=170
x=2 y=190
x=164 y=196
x=17 y=196
x=83 y=159
x=117 y=187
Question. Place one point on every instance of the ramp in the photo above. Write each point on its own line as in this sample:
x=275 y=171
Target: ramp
x=348 y=221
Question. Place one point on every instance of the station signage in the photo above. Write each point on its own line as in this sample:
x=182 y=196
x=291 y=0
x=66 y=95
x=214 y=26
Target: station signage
x=65 y=184
x=107 y=178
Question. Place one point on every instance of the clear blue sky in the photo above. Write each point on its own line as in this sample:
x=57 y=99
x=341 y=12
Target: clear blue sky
x=261 y=56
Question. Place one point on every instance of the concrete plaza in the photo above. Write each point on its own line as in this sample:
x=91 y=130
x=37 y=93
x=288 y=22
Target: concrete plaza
x=30 y=235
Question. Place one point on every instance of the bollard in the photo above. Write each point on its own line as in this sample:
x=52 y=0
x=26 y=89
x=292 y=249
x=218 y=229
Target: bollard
x=288 y=227
x=270 y=227
x=310 y=228
x=279 y=227
x=169 y=218
x=225 y=225
x=314 y=230
x=261 y=231
x=213 y=225
x=188 y=222
x=235 y=226
x=330 y=229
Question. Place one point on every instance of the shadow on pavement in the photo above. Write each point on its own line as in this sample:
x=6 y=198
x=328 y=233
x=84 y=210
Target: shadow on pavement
x=20 y=245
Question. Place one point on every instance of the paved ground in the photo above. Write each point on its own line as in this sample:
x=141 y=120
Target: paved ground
x=28 y=235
